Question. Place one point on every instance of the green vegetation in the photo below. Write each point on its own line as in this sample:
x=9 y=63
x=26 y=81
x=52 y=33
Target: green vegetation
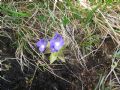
x=91 y=32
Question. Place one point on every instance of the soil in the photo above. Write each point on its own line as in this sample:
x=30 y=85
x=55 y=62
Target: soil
x=15 y=79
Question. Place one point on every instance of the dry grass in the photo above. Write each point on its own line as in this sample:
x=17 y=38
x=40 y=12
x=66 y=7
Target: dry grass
x=86 y=32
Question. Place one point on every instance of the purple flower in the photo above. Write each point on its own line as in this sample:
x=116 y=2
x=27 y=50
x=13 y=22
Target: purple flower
x=56 y=43
x=42 y=43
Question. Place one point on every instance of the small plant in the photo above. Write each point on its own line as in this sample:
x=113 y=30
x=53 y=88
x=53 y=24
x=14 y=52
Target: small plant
x=56 y=44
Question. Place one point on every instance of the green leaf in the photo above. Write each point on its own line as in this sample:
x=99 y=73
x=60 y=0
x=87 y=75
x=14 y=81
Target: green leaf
x=9 y=11
x=57 y=55
x=61 y=57
x=117 y=54
x=18 y=14
x=65 y=20
x=90 y=13
x=53 y=57
x=42 y=18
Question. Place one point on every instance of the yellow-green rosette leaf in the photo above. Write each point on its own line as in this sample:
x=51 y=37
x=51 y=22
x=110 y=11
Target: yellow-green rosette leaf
x=53 y=57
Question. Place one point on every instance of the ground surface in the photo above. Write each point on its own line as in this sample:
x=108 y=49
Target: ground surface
x=91 y=32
